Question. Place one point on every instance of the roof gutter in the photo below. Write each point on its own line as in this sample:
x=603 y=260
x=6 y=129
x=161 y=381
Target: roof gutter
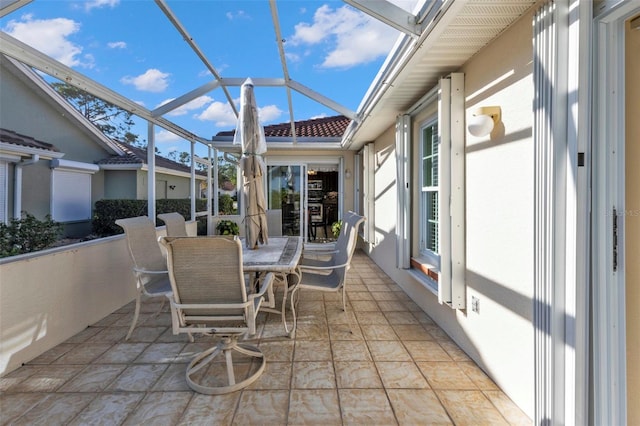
x=406 y=48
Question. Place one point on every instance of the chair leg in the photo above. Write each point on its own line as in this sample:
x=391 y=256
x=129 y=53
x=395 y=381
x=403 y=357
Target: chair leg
x=344 y=308
x=225 y=347
x=135 y=316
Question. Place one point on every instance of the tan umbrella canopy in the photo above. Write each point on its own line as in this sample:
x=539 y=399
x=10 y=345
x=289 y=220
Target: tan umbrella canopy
x=250 y=134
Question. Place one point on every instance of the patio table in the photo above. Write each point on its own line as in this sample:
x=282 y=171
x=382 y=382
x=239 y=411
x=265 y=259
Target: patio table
x=280 y=256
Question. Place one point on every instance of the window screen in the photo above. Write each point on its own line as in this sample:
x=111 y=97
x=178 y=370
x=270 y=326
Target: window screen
x=71 y=196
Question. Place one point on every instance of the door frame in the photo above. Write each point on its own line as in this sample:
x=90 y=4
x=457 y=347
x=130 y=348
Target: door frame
x=305 y=162
x=608 y=204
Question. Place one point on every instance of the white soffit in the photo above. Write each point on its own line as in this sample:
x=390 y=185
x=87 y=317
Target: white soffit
x=460 y=34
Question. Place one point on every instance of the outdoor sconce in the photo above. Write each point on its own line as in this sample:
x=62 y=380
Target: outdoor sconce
x=347 y=174
x=172 y=187
x=483 y=120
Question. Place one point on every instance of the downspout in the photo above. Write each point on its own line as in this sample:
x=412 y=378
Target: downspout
x=17 y=185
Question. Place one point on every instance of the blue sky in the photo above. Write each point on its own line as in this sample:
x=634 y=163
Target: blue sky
x=131 y=47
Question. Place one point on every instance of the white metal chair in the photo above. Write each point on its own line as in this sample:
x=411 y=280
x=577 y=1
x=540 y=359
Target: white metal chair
x=315 y=254
x=331 y=275
x=149 y=265
x=175 y=223
x=210 y=296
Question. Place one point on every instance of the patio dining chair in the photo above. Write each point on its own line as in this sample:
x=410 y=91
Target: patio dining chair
x=331 y=275
x=175 y=223
x=322 y=254
x=210 y=296
x=149 y=265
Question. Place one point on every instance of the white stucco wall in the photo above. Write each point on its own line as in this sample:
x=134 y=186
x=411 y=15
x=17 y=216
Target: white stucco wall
x=49 y=296
x=499 y=219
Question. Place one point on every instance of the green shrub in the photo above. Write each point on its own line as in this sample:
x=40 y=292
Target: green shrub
x=227 y=227
x=225 y=205
x=28 y=235
x=336 y=227
x=108 y=211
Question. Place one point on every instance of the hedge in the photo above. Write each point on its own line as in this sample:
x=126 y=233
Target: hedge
x=108 y=211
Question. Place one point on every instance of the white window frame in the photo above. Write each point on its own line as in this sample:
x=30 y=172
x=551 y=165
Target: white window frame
x=4 y=191
x=449 y=263
x=80 y=173
x=433 y=256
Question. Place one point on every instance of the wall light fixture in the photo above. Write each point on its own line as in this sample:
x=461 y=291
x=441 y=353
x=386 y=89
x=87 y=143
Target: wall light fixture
x=483 y=120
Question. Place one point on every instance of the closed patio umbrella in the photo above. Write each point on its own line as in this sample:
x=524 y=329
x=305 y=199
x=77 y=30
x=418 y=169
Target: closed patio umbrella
x=250 y=135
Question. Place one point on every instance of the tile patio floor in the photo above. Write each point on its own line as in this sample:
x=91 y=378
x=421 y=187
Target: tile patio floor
x=397 y=367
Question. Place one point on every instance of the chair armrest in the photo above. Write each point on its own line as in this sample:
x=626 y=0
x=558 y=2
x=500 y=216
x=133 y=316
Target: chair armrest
x=264 y=286
x=322 y=269
x=322 y=247
x=147 y=271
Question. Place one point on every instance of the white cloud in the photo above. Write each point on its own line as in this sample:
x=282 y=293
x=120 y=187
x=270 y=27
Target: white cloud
x=97 y=4
x=164 y=136
x=315 y=117
x=49 y=36
x=352 y=37
x=152 y=80
x=220 y=113
x=269 y=113
x=240 y=14
x=117 y=45
x=195 y=104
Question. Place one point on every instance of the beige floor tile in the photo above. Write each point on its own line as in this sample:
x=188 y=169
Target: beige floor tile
x=470 y=408
x=122 y=353
x=446 y=375
x=93 y=378
x=138 y=377
x=17 y=376
x=401 y=318
x=83 y=353
x=350 y=351
x=109 y=335
x=313 y=375
x=385 y=350
x=311 y=350
x=160 y=353
x=336 y=315
x=391 y=306
x=258 y=407
x=426 y=351
x=158 y=408
x=53 y=354
x=210 y=409
x=360 y=295
x=380 y=296
x=173 y=379
x=345 y=332
x=418 y=407
x=276 y=375
x=454 y=351
x=357 y=375
x=58 y=408
x=314 y=407
x=509 y=410
x=15 y=405
x=146 y=334
x=108 y=409
x=401 y=375
x=411 y=332
x=366 y=406
x=279 y=350
x=477 y=375
x=378 y=332
x=365 y=306
x=371 y=318
x=47 y=378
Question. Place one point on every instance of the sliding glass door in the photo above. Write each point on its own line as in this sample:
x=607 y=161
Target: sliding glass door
x=287 y=190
